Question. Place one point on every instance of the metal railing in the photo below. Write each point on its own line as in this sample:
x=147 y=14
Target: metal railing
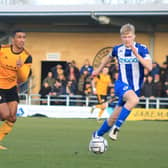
x=26 y=87
x=79 y=100
x=58 y=2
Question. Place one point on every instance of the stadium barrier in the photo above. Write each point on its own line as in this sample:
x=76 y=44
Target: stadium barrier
x=79 y=107
x=79 y=100
x=84 y=112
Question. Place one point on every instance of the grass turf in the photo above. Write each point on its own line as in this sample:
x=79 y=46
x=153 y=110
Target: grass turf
x=63 y=143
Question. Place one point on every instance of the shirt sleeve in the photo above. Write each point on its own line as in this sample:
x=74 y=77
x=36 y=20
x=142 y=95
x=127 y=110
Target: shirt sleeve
x=28 y=60
x=144 y=52
x=114 y=52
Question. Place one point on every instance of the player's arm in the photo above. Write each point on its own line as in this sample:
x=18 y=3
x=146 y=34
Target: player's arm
x=104 y=61
x=110 y=84
x=24 y=70
x=147 y=63
x=93 y=83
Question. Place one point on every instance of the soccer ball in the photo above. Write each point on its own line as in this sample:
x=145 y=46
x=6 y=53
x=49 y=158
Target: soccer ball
x=98 y=145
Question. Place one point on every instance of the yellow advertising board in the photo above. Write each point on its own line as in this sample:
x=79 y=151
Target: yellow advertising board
x=148 y=114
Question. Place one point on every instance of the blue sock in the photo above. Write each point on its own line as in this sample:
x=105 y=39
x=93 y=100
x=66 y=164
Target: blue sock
x=122 y=117
x=103 y=129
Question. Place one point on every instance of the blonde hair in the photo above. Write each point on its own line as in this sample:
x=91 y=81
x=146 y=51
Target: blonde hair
x=127 y=28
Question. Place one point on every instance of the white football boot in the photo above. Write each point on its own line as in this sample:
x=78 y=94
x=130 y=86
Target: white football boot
x=113 y=133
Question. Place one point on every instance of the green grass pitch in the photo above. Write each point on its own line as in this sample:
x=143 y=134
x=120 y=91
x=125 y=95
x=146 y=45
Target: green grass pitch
x=63 y=143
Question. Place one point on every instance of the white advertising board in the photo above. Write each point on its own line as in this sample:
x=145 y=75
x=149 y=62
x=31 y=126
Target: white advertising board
x=59 y=111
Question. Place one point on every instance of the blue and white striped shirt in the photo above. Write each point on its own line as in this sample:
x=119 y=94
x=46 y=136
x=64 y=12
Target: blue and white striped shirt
x=131 y=71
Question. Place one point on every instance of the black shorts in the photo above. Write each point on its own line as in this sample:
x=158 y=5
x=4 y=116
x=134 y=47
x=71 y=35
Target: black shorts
x=101 y=98
x=8 y=95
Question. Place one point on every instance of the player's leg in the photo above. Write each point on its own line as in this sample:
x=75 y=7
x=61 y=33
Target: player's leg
x=102 y=108
x=8 y=124
x=101 y=105
x=4 y=114
x=97 y=105
x=13 y=110
x=113 y=117
x=11 y=101
x=4 y=111
x=131 y=100
x=120 y=90
x=106 y=126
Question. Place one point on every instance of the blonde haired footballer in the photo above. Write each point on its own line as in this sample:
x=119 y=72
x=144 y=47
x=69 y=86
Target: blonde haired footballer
x=132 y=58
x=15 y=67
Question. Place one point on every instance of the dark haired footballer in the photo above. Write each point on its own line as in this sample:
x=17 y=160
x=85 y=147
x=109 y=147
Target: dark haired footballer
x=15 y=67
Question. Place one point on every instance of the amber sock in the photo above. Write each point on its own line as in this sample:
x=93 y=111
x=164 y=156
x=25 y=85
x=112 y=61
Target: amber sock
x=100 y=113
x=5 y=128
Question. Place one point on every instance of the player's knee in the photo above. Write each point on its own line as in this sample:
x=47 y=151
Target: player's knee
x=12 y=118
x=4 y=116
x=135 y=101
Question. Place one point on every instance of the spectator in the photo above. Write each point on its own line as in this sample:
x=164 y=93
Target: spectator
x=157 y=86
x=164 y=72
x=62 y=79
x=165 y=94
x=115 y=77
x=44 y=91
x=71 y=88
x=82 y=81
x=73 y=62
x=56 y=70
x=155 y=69
x=56 y=90
x=146 y=72
x=49 y=79
x=165 y=89
x=112 y=69
x=88 y=89
x=147 y=89
x=72 y=72
x=87 y=67
x=112 y=104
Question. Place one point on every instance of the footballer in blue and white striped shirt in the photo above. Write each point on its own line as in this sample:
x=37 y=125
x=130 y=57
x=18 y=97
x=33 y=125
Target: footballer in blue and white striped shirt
x=132 y=59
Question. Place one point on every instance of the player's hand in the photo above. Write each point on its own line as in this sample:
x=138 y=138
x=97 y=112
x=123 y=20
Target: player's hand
x=94 y=91
x=94 y=74
x=19 y=63
x=133 y=49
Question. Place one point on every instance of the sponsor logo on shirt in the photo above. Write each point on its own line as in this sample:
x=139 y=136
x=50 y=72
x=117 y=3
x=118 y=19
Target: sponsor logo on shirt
x=128 y=60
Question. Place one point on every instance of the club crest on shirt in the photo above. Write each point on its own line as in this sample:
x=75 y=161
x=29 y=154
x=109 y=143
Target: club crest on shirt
x=125 y=87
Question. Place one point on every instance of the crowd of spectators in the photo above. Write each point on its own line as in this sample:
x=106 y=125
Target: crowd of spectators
x=77 y=81
x=156 y=81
